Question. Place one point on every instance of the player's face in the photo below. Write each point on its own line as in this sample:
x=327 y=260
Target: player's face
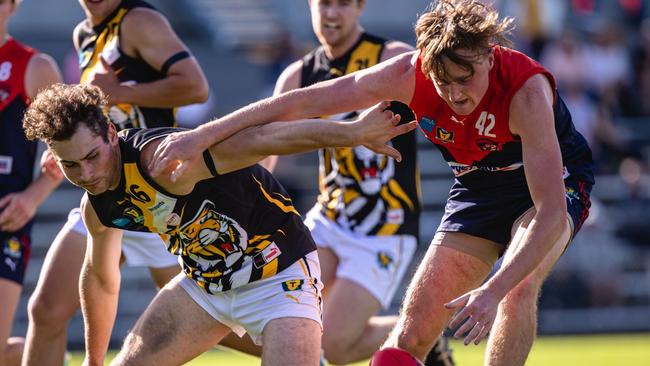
x=463 y=90
x=335 y=21
x=98 y=10
x=88 y=161
x=6 y=9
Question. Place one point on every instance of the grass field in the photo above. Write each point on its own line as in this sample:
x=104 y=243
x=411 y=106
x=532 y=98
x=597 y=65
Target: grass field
x=595 y=350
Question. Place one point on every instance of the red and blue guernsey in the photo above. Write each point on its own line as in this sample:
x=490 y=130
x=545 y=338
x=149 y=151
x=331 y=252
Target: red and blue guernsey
x=17 y=154
x=487 y=159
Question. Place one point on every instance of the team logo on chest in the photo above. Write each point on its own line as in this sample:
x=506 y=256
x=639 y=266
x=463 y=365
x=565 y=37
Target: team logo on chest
x=214 y=241
x=444 y=135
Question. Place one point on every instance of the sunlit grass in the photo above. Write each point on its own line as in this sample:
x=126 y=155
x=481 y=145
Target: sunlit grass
x=590 y=350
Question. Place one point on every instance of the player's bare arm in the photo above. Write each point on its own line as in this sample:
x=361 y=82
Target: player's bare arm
x=531 y=118
x=148 y=35
x=360 y=90
x=373 y=129
x=99 y=284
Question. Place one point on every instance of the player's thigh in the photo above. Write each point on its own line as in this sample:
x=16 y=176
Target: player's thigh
x=9 y=296
x=328 y=264
x=173 y=330
x=347 y=309
x=444 y=274
x=291 y=341
x=161 y=276
x=57 y=288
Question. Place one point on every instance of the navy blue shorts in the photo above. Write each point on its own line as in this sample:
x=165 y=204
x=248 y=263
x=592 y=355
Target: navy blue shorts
x=490 y=215
x=16 y=248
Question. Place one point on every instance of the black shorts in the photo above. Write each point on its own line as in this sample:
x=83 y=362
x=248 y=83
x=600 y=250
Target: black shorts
x=14 y=255
x=490 y=215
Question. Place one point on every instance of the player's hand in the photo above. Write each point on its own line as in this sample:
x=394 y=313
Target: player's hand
x=17 y=209
x=478 y=309
x=106 y=79
x=49 y=167
x=174 y=153
x=376 y=126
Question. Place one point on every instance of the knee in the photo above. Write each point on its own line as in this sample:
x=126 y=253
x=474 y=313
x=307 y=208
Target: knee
x=414 y=341
x=131 y=352
x=524 y=295
x=46 y=309
x=335 y=348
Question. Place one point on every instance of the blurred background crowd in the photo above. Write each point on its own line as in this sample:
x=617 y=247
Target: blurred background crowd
x=599 y=51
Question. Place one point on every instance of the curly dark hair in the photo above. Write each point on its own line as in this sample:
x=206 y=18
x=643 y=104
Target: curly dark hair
x=58 y=110
x=451 y=25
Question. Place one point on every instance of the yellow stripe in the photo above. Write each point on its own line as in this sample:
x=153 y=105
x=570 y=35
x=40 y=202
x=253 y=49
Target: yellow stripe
x=258 y=238
x=304 y=268
x=282 y=206
x=292 y=298
x=102 y=40
x=257 y=248
x=399 y=192
x=389 y=229
x=270 y=269
x=349 y=196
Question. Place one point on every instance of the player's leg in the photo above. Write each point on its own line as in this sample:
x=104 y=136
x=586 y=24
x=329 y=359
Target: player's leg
x=514 y=329
x=173 y=330
x=328 y=263
x=290 y=341
x=162 y=275
x=369 y=272
x=283 y=313
x=141 y=249
x=9 y=296
x=55 y=300
x=446 y=272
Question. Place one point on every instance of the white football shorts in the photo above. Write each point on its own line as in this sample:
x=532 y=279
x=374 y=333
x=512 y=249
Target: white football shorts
x=376 y=263
x=293 y=293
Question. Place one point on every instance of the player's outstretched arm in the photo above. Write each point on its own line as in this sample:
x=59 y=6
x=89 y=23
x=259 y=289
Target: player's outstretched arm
x=99 y=284
x=390 y=80
x=374 y=129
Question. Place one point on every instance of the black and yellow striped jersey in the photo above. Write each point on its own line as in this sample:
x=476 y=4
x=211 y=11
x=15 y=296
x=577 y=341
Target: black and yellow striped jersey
x=103 y=40
x=232 y=229
x=361 y=191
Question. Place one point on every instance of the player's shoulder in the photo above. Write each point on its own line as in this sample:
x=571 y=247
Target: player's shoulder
x=290 y=78
x=144 y=19
x=393 y=48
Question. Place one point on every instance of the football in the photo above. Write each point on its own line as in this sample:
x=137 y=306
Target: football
x=393 y=357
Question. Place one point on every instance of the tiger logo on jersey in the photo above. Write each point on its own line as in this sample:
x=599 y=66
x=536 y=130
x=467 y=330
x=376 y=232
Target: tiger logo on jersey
x=215 y=242
x=125 y=116
x=361 y=166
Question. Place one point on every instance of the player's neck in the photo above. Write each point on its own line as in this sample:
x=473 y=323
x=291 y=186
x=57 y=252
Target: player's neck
x=335 y=51
x=4 y=37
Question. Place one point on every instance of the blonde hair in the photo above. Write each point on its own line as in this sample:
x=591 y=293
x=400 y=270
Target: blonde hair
x=451 y=25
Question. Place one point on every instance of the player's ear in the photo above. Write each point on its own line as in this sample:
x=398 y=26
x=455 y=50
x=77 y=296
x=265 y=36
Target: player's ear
x=112 y=134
